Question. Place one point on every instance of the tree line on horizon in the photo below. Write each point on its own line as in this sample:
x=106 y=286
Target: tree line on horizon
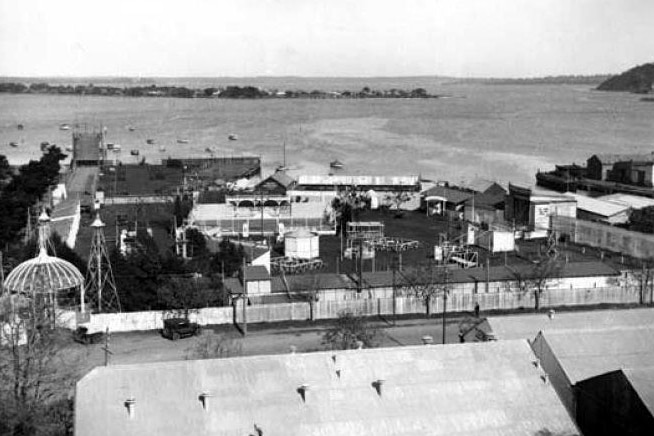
x=229 y=92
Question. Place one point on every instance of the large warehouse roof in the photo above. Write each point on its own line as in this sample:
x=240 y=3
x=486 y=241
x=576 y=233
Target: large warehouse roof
x=587 y=353
x=473 y=389
x=527 y=326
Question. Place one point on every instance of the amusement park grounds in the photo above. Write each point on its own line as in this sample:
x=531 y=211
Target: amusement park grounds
x=416 y=226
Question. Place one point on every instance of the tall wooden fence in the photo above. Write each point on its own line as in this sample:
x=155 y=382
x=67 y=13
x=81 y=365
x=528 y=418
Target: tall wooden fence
x=152 y=320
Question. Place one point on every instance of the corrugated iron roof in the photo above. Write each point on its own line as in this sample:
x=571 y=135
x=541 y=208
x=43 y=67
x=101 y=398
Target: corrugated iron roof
x=474 y=389
x=527 y=326
x=642 y=380
x=587 y=353
x=598 y=206
x=633 y=201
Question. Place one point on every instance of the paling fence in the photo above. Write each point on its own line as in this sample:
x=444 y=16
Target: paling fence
x=635 y=244
x=301 y=311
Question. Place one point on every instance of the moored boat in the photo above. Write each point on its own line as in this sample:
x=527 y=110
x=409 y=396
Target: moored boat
x=233 y=137
x=336 y=164
x=13 y=144
x=134 y=152
x=64 y=127
x=150 y=141
x=182 y=141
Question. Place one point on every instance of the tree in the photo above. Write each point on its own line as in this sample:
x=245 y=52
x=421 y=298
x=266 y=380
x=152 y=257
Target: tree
x=397 y=200
x=536 y=277
x=138 y=274
x=180 y=297
x=306 y=288
x=426 y=282
x=37 y=370
x=348 y=331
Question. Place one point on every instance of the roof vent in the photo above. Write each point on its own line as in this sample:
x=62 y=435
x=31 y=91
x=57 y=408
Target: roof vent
x=427 y=340
x=204 y=399
x=550 y=314
x=130 y=404
x=338 y=373
x=536 y=363
x=545 y=378
x=377 y=384
x=359 y=345
x=334 y=357
x=302 y=390
x=293 y=349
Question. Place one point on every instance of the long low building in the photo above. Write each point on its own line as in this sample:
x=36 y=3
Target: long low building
x=385 y=284
x=598 y=209
x=490 y=388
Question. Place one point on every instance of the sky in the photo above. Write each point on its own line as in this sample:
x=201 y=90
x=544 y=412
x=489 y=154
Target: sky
x=320 y=38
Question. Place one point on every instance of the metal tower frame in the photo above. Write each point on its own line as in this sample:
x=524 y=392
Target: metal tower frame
x=101 y=287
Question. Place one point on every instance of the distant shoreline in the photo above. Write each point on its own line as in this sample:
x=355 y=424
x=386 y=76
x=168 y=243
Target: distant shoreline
x=228 y=92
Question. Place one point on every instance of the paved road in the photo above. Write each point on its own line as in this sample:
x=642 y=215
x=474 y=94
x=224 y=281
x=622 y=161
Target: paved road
x=139 y=347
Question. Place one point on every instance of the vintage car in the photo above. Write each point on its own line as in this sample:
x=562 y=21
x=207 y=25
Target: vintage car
x=175 y=328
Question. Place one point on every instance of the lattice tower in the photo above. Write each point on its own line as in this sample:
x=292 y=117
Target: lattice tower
x=101 y=291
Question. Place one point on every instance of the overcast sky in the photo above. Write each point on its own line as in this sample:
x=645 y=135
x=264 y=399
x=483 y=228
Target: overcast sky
x=469 y=38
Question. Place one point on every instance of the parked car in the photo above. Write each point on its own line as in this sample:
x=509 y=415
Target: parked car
x=82 y=335
x=175 y=328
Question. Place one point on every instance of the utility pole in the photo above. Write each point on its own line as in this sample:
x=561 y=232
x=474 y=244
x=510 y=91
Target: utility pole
x=445 y=291
x=107 y=351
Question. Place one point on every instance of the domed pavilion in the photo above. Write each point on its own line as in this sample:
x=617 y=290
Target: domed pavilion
x=42 y=278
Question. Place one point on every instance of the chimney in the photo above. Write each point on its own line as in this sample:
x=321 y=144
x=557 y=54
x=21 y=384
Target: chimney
x=545 y=378
x=130 y=404
x=427 y=340
x=377 y=384
x=204 y=399
x=302 y=390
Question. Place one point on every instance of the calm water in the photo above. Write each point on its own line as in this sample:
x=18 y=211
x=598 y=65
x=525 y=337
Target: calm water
x=502 y=132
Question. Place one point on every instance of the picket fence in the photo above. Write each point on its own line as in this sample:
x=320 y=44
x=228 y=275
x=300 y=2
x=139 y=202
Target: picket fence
x=301 y=311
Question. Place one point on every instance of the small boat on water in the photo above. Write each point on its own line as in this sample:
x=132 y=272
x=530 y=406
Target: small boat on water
x=20 y=127
x=162 y=149
x=117 y=148
x=232 y=137
x=208 y=150
x=182 y=141
x=131 y=128
x=44 y=145
x=64 y=127
x=69 y=148
x=134 y=152
x=13 y=144
x=336 y=164
x=150 y=141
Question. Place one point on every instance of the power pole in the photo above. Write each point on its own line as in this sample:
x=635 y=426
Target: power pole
x=445 y=292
